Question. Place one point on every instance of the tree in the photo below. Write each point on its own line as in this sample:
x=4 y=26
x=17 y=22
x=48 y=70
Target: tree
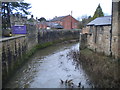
x=42 y=19
x=98 y=12
x=20 y=7
x=9 y=8
x=84 y=21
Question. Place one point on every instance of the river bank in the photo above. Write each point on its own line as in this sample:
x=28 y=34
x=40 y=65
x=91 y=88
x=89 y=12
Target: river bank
x=103 y=71
x=48 y=66
x=25 y=58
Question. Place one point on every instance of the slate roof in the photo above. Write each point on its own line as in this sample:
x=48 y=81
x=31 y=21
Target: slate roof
x=55 y=25
x=57 y=18
x=101 y=21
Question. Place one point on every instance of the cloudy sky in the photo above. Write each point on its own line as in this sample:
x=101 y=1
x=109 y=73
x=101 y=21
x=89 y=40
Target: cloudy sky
x=52 y=8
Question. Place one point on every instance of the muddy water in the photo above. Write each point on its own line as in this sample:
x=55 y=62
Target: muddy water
x=48 y=67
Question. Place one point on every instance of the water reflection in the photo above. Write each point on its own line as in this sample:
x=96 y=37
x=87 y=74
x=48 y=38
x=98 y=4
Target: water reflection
x=51 y=68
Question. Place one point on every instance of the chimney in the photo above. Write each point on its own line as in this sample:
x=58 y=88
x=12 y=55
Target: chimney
x=31 y=16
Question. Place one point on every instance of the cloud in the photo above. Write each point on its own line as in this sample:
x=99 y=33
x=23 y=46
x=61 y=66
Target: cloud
x=51 y=8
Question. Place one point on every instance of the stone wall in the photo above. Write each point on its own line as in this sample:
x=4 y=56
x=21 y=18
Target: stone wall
x=13 y=49
x=17 y=19
x=99 y=39
x=107 y=39
x=116 y=29
x=83 y=41
x=32 y=35
x=56 y=35
x=119 y=32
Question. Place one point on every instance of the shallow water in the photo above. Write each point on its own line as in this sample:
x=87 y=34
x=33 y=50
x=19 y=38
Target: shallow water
x=48 y=67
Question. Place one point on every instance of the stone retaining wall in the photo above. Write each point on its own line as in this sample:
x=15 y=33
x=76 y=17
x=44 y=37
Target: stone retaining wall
x=56 y=35
x=99 y=40
x=15 y=49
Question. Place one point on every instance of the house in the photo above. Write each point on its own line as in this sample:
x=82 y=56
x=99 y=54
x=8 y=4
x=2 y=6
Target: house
x=103 y=34
x=41 y=25
x=99 y=34
x=65 y=22
x=18 y=19
x=85 y=30
x=32 y=21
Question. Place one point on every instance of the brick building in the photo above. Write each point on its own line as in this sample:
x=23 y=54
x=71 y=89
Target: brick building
x=67 y=22
x=41 y=25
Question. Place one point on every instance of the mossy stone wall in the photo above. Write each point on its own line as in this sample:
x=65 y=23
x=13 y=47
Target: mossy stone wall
x=18 y=49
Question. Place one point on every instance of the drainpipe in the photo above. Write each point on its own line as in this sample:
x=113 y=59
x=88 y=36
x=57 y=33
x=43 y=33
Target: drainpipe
x=71 y=19
x=111 y=41
x=111 y=31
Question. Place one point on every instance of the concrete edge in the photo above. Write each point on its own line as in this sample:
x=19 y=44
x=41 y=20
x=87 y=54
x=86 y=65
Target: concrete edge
x=115 y=0
x=9 y=38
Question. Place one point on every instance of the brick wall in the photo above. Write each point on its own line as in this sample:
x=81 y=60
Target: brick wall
x=70 y=23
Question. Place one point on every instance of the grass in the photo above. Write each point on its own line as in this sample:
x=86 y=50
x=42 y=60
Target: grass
x=103 y=70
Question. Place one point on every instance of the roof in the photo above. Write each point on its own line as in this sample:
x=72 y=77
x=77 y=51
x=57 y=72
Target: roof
x=101 y=21
x=58 y=18
x=55 y=25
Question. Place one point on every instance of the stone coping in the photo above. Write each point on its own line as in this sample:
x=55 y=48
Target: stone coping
x=11 y=0
x=10 y=38
x=115 y=0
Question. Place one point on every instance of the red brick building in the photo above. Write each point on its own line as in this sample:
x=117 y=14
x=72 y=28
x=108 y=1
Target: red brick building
x=68 y=22
x=63 y=22
x=41 y=25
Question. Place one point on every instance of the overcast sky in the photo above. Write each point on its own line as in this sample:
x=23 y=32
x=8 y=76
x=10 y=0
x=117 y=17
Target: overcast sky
x=52 y=8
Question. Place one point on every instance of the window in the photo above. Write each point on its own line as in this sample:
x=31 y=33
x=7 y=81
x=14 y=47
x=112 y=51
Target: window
x=101 y=30
x=91 y=29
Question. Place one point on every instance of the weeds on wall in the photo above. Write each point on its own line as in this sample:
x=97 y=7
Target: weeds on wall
x=103 y=71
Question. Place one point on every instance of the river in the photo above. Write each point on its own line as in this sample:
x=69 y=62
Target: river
x=48 y=67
